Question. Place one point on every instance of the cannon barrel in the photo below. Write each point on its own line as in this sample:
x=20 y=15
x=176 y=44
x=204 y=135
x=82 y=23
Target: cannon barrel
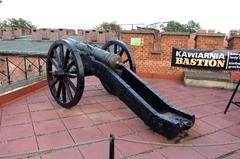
x=108 y=58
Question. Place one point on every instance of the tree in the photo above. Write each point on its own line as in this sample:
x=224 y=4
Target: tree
x=174 y=26
x=192 y=26
x=109 y=26
x=17 y=23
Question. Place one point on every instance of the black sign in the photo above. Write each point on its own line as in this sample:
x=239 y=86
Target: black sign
x=206 y=59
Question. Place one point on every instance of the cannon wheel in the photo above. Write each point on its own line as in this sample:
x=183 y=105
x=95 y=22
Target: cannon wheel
x=120 y=48
x=65 y=73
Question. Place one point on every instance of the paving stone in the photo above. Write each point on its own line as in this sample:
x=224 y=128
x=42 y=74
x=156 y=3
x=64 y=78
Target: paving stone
x=19 y=146
x=180 y=153
x=54 y=140
x=86 y=134
x=99 y=151
x=44 y=115
x=102 y=117
x=16 y=131
x=16 y=119
x=77 y=122
x=40 y=106
x=116 y=128
x=66 y=154
x=46 y=127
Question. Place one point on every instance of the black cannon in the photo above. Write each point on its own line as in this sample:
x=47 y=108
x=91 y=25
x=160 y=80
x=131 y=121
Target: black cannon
x=69 y=61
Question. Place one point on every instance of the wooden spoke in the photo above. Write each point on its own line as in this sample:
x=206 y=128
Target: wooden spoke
x=69 y=66
x=56 y=56
x=53 y=82
x=121 y=52
x=70 y=83
x=66 y=59
x=125 y=61
x=54 y=62
x=69 y=93
x=61 y=54
x=115 y=49
x=70 y=75
x=63 y=92
x=59 y=89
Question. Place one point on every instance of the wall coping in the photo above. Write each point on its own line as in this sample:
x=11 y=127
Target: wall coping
x=211 y=34
x=137 y=31
x=152 y=32
x=174 y=33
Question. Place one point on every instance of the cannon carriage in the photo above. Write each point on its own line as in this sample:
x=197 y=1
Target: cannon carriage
x=69 y=61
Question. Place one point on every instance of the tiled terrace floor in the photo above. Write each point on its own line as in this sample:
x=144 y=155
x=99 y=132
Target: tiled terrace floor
x=35 y=122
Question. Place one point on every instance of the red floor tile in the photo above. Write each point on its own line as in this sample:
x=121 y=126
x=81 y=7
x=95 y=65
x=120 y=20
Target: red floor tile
x=223 y=137
x=86 y=100
x=150 y=136
x=124 y=113
x=203 y=128
x=102 y=117
x=77 y=122
x=136 y=124
x=40 y=106
x=217 y=122
x=16 y=119
x=44 y=115
x=131 y=149
x=113 y=105
x=92 y=108
x=19 y=146
x=51 y=126
x=63 y=112
x=208 y=152
x=86 y=134
x=98 y=151
x=54 y=140
x=105 y=98
x=198 y=111
x=15 y=109
x=37 y=99
x=180 y=153
x=20 y=100
x=235 y=155
x=66 y=154
x=15 y=132
x=150 y=155
x=234 y=131
x=116 y=128
x=231 y=116
x=95 y=92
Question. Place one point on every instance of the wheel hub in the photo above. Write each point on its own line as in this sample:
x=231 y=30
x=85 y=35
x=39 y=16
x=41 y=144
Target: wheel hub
x=60 y=73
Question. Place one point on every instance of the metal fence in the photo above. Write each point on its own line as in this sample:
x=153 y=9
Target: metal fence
x=17 y=70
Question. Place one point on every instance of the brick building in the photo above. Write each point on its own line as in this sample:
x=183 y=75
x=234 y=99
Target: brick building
x=153 y=58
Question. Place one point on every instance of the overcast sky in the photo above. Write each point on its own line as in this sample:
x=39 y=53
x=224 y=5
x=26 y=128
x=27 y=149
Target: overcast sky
x=220 y=15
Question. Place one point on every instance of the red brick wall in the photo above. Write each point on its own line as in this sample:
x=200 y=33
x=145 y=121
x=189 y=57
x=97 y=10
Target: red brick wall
x=157 y=63
x=209 y=41
x=234 y=43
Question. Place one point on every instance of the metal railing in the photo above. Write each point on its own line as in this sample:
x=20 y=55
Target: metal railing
x=17 y=70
